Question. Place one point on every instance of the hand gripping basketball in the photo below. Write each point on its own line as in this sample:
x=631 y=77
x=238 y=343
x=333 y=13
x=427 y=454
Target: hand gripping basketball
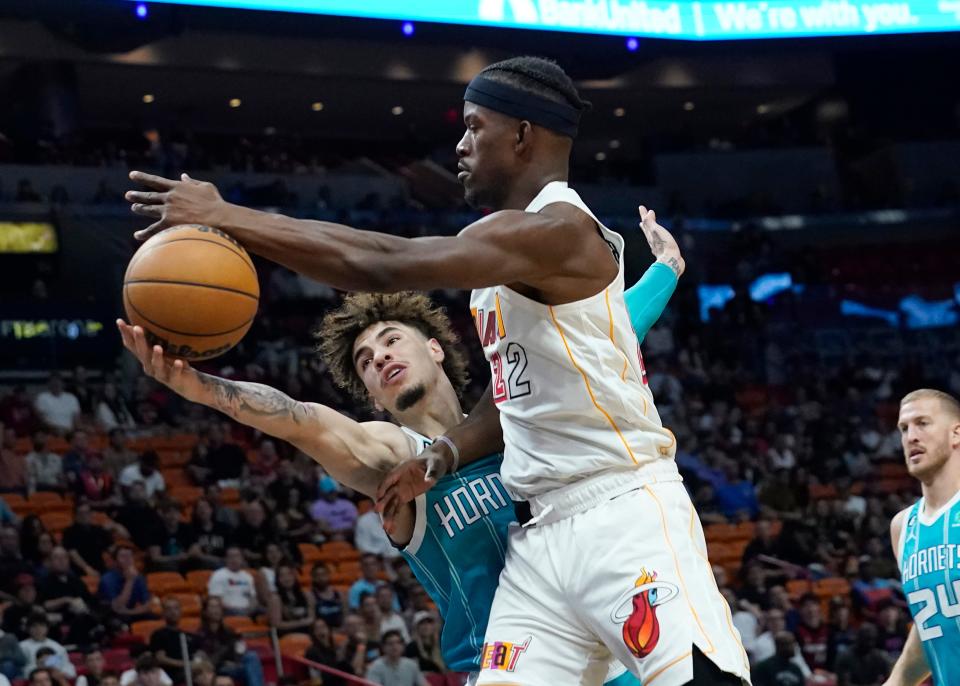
x=172 y=203
x=174 y=374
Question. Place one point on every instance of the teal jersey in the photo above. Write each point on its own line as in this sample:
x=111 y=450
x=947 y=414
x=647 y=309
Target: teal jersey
x=930 y=572
x=458 y=550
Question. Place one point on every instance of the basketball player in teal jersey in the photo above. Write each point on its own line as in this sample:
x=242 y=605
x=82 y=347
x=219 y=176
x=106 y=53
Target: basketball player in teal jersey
x=399 y=352
x=926 y=539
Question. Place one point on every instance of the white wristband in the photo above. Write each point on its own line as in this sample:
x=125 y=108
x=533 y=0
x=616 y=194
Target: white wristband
x=453 y=449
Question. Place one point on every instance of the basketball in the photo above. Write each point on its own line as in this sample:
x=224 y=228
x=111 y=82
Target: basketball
x=193 y=289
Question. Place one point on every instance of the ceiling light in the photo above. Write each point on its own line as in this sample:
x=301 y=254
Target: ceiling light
x=619 y=112
x=235 y=102
x=396 y=110
x=317 y=106
x=688 y=106
x=600 y=156
x=148 y=98
x=614 y=144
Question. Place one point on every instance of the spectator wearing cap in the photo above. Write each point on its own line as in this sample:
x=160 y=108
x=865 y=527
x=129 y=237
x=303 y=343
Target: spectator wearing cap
x=145 y=470
x=38 y=628
x=392 y=668
x=58 y=408
x=13 y=467
x=44 y=468
x=12 y=658
x=336 y=514
x=124 y=589
x=425 y=647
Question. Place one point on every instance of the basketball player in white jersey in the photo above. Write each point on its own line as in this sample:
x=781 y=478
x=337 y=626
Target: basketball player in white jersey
x=613 y=559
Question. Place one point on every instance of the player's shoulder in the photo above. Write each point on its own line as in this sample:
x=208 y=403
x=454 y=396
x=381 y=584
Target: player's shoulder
x=386 y=432
x=897 y=523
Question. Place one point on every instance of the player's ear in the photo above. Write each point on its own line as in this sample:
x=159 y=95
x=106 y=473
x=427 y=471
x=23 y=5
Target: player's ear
x=524 y=137
x=955 y=435
x=436 y=350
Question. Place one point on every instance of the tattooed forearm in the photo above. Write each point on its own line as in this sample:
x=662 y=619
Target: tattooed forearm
x=246 y=401
x=674 y=264
x=657 y=244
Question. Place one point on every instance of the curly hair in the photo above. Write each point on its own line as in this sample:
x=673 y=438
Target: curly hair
x=340 y=328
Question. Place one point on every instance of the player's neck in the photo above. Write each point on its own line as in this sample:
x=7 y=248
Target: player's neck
x=524 y=190
x=942 y=486
x=436 y=413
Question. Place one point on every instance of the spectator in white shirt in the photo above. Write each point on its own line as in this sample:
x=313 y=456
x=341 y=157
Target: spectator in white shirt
x=58 y=409
x=369 y=536
x=234 y=586
x=764 y=645
x=38 y=628
x=44 y=468
x=393 y=669
x=145 y=470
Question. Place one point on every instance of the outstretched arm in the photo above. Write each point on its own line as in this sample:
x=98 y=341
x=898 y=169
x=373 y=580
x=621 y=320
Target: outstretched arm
x=647 y=298
x=911 y=667
x=357 y=455
x=509 y=246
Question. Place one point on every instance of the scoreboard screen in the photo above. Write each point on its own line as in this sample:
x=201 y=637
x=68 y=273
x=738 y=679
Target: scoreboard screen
x=680 y=19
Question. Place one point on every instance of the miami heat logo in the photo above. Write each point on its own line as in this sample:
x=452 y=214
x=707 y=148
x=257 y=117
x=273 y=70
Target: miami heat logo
x=636 y=610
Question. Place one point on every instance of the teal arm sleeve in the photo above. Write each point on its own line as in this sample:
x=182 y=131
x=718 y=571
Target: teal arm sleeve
x=649 y=296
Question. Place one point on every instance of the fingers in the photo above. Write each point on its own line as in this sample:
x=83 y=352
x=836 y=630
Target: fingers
x=152 y=211
x=126 y=333
x=144 y=234
x=387 y=485
x=153 y=181
x=148 y=197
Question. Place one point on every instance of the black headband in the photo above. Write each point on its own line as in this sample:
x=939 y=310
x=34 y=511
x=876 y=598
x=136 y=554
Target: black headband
x=516 y=102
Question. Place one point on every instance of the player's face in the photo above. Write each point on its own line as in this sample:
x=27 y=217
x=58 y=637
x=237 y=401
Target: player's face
x=396 y=363
x=486 y=156
x=928 y=435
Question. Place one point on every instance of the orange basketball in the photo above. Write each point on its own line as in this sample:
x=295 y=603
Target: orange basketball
x=194 y=291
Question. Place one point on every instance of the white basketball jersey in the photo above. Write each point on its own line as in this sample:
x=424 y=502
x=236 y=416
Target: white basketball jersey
x=569 y=381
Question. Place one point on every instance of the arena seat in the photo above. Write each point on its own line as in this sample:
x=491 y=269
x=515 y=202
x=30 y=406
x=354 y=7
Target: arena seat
x=198 y=580
x=721 y=532
x=822 y=491
x=170 y=459
x=56 y=522
x=145 y=628
x=831 y=586
x=20 y=505
x=230 y=496
x=46 y=501
x=295 y=644
x=92 y=583
x=190 y=624
x=165 y=583
x=798 y=587
x=185 y=495
x=309 y=552
x=176 y=478
x=241 y=624
x=339 y=551
x=190 y=603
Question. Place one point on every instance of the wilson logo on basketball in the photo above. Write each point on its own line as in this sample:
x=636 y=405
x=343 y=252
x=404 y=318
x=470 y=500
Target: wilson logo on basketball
x=636 y=609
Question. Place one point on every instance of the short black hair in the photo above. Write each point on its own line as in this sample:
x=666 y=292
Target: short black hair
x=539 y=76
x=390 y=633
x=38 y=670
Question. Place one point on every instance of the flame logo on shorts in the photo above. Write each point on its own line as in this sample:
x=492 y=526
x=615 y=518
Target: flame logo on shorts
x=636 y=610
